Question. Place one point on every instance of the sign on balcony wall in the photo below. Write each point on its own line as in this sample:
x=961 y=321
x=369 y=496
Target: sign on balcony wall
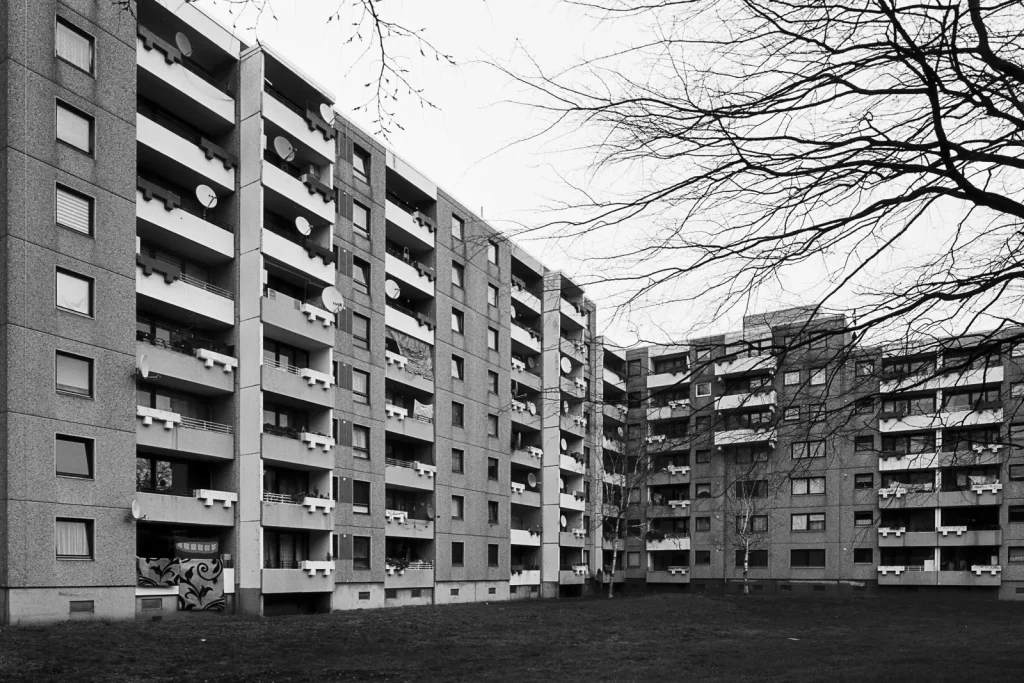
x=419 y=353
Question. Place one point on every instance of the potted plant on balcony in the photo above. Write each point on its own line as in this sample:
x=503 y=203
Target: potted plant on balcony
x=396 y=565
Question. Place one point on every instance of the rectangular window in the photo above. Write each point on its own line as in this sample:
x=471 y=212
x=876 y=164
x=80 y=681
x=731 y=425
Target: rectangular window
x=74 y=456
x=791 y=378
x=360 y=220
x=863 y=406
x=751 y=488
x=74 y=46
x=74 y=210
x=702 y=490
x=817 y=377
x=806 y=558
x=360 y=552
x=755 y=524
x=703 y=389
x=756 y=558
x=458 y=275
x=1017 y=472
x=492 y=468
x=74 y=127
x=360 y=442
x=492 y=512
x=864 y=444
x=458 y=414
x=74 y=539
x=492 y=381
x=74 y=292
x=458 y=367
x=492 y=253
x=492 y=425
x=361 y=163
x=815 y=412
x=865 y=368
x=808 y=486
x=863 y=518
x=361 y=497
x=702 y=524
x=808 y=449
x=791 y=414
x=864 y=480
x=390 y=593
x=360 y=386
x=702 y=456
x=458 y=507
x=458 y=321
x=458 y=226
x=492 y=555
x=863 y=556
x=74 y=374
x=458 y=458
x=492 y=295
x=632 y=559
x=1015 y=554
x=808 y=522
x=1016 y=514
x=492 y=339
x=360 y=331
x=458 y=555
x=360 y=275
x=702 y=557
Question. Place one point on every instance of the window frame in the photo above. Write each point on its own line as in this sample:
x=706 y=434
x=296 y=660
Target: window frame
x=861 y=484
x=461 y=561
x=89 y=282
x=359 y=508
x=458 y=507
x=460 y=233
x=493 y=473
x=460 y=318
x=90 y=202
x=492 y=421
x=806 y=481
x=361 y=285
x=91 y=39
x=71 y=109
x=701 y=394
x=493 y=555
x=357 y=341
x=364 y=156
x=90 y=532
x=362 y=429
x=461 y=411
x=362 y=397
x=361 y=230
x=492 y=339
x=91 y=362
x=787 y=375
x=90 y=456
x=492 y=295
x=819 y=374
x=458 y=275
x=492 y=252
x=808 y=565
x=458 y=367
x=458 y=456
x=357 y=558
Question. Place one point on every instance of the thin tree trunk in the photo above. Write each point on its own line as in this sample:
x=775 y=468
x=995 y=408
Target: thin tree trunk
x=615 y=557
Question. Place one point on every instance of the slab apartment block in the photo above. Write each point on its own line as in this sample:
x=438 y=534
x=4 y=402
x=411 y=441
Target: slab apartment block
x=344 y=389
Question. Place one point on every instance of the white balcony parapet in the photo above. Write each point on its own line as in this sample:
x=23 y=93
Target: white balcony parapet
x=986 y=488
x=895 y=491
x=312 y=377
x=424 y=470
x=518 y=364
x=518 y=405
x=580 y=569
x=678 y=504
x=396 y=516
x=736 y=366
x=396 y=412
x=518 y=488
x=896 y=531
x=994 y=447
x=209 y=496
x=317 y=440
x=314 y=566
x=656 y=438
x=980 y=569
x=579 y=532
x=314 y=504
x=315 y=313
x=149 y=414
x=681 y=469
x=393 y=358
x=946 y=530
x=895 y=569
x=746 y=435
x=212 y=357
x=535 y=452
x=680 y=403
x=678 y=570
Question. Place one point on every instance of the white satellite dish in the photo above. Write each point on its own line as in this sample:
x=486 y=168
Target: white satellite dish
x=514 y=313
x=183 y=43
x=532 y=407
x=565 y=407
x=327 y=112
x=531 y=479
x=566 y=364
x=531 y=362
x=563 y=521
x=284 y=148
x=144 y=366
x=303 y=226
x=620 y=432
x=332 y=300
x=392 y=289
x=561 y=484
x=136 y=508
x=564 y=444
x=206 y=196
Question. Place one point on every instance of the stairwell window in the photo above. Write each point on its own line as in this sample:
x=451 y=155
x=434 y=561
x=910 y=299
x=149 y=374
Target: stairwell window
x=75 y=127
x=492 y=339
x=492 y=469
x=492 y=425
x=360 y=220
x=74 y=292
x=458 y=507
x=74 y=374
x=458 y=275
x=492 y=555
x=458 y=321
x=74 y=210
x=361 y=442
x=458 y=458
x=361 y=163
x=458 y=367
x=360 y=552
x=74 y=539
x=361 y=387
x=492 y=512
x=458 y=414
x=458 y=556
x=74 y=46
x=360 y=276
x=360 y=331
x=492 y=253
x=458 y=227
x=492 y=295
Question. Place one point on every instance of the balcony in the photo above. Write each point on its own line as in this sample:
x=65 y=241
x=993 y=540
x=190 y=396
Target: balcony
x=573 y=387
x=301 y=450
x=206 y=507
x=757 y=400
x=614 y=414
x=528 y=457
x=524 y=537
x=198 y=371
x=576 y=425
x=526 y=338
x=164 y=68
x=303 y=384
x=670 y=509
x=299 y=580
x=614 y=379
x=167 y=223
x=733 y=365
x=296 y=323
x=413 y=230
x=575 y=349
x=938 y=420
x=416 y=575
x=981 y=575
x=571 y=464
x=525 y=378
x=303 y=259
x=411 y=182
x=576 y=538
x=574 y=576
x=409 y=474
x=901 y=538
x=521 y=495
x=522 y=296
x=572 y=316
x=188 y=295
x=411 y=276
x=398 y=371
x=400 y=525
x=289 y=512
x=616 y=445
x=300 y=127
x=572 y=501
x=524 y=577
x=418 y=325
x=928 y=382
x=670 y=575
x=663 y=380
x=910 y=461
x=173 y=434
x=306 y=197
x=665 y=443
x=414 y=427
x=674 y=410
x=182 y=157
x=736 y=436
x=960 y=536
x=523 y=416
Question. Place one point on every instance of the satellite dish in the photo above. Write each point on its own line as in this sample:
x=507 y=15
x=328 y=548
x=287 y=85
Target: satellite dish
x=392 y=289
x=563 y=521
x=430 y=511
x=621 y=432
x=532 y=407
x=531 y=362
x=327 y=112
x=561 y=484
x=206 y=196
x=303 y=226
x=531 y=479
x=284 y=148
x=565 y=407
x=514 y=313
x=136 y=508
x=566 y=365
x=564 y=444
x=332 y=300
x=144 y=366
x=183 y=43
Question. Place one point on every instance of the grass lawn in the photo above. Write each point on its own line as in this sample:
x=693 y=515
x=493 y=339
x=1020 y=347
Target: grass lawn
x=664 y=638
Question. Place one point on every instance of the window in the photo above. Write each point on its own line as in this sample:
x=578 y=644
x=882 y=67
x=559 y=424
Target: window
x=458 y=414
x=492 y=512
x=74 y=456
x=863 y=556
x=806 y=558
x=808 y=486
x=1017 y=390
x=815 y=411
x=458 y=226
x=864 y=444
x=702 y=490
x=74 y=127
x=746 y=455
x=912 y=443
x=74 y=210
x=814 y=521
x=703 y=389
x=360 y=386
x=863 y=518
x=864 y=480
x=360 y=331
x=492 y=253
x=458 y=321
x=74 y=374
x=702 y=524
x=360 y=442
x=492 y=381
x=701 y=557
x=458 y=275
x=808 y=449
x=1017 y=472
x=360 y=275
x=360 y=552
x=361 y=497
x=632 y=559
x=360 y=220
x=863 y=406
x=751 y=488
x=817 y=377
x=702 y=424
x=74 y=46
x=74 y=292
x=458 y=554
x=458 y=507
x=755 y=524
x=492 y=425
x=791 y=378
x=865 y=368
x=702 y=456
x=492 y=295
x=458 y=367
x=756 y=558
x=1016 y=513
x=492 y=339
x=1015 y=554
x=492 y=468
x=390 y=593
x=361 y=163
x=74 y=539
x=458 y=459
x=492 y=555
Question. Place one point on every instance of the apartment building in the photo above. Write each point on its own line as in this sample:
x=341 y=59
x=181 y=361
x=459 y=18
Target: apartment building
x=343 y=390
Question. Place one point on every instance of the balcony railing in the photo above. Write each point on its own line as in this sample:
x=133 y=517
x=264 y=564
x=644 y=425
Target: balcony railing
x=529 y=330
x=206 y=425
x=174 y=55
x=292 y=499
x=281 y=564
x=285 y=432
x=182 y=342
x=280 y=365
x=175 y=196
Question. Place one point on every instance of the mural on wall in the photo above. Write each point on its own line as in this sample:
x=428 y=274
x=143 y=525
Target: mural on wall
x=419 y=353
x=156 y=572
x=196 y=571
